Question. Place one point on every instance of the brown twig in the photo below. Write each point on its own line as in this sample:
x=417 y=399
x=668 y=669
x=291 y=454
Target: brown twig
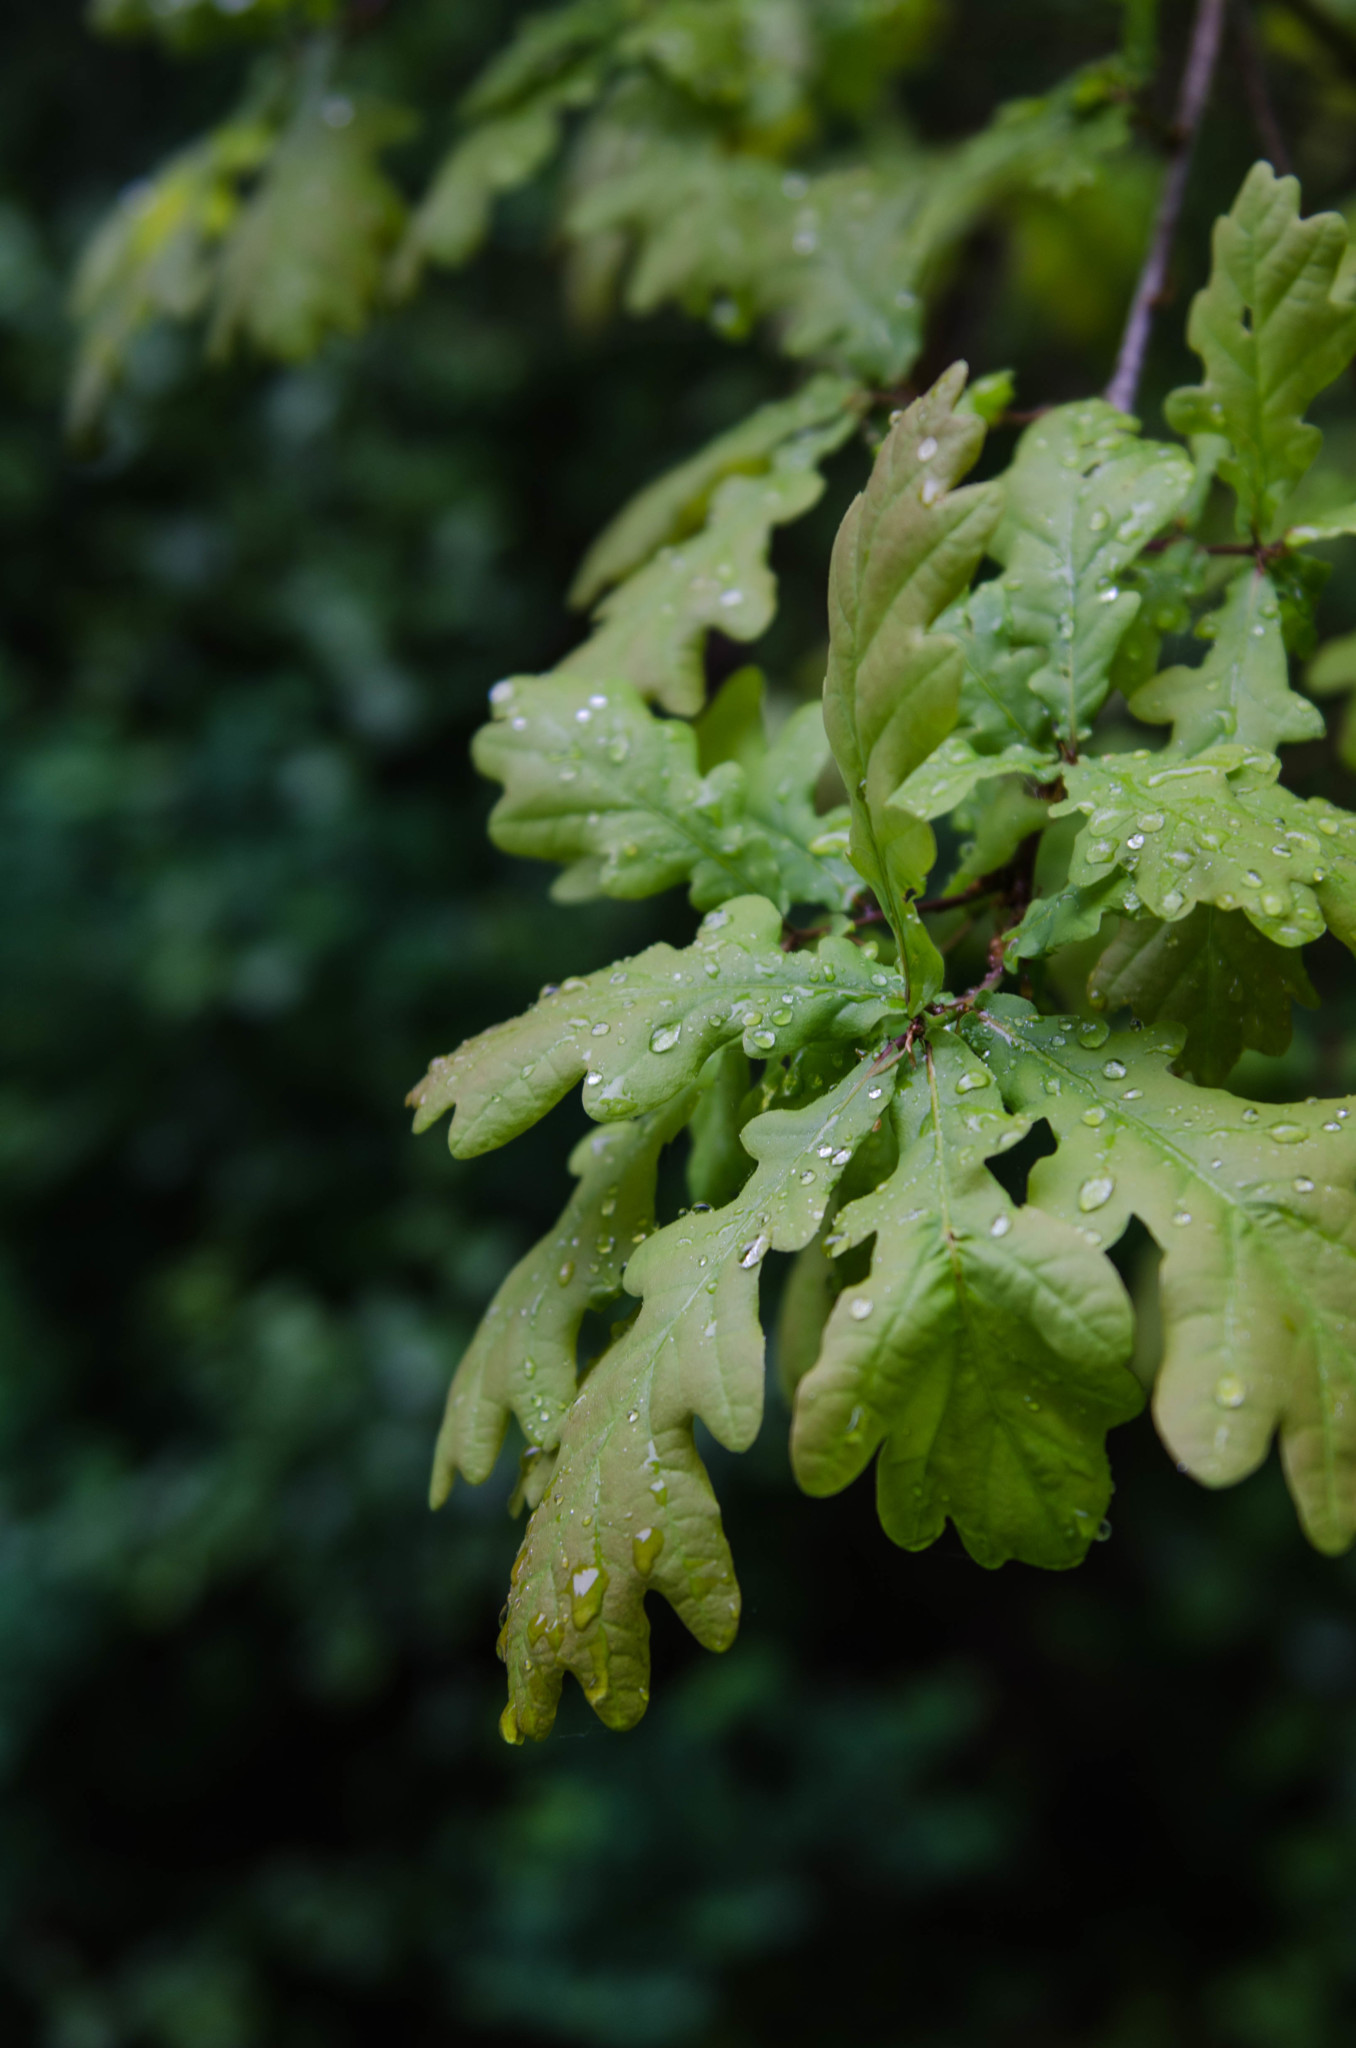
x=987 y=885
x=1253 y=65
x=1195 y=90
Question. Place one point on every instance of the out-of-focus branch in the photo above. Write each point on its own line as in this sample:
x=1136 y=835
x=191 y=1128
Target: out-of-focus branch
x=1195 y=90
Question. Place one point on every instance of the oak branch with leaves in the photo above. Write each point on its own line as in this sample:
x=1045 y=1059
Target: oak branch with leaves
x=844 y=1102
x=863 y=1027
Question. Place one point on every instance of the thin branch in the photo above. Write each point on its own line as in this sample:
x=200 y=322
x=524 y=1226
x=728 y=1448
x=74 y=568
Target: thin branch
x=1195 y=90
x=1253 y=63
x=987 y=885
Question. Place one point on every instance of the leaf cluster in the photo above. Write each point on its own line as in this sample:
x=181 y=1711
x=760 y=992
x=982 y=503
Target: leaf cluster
x=975 y=1346
x=693 y=138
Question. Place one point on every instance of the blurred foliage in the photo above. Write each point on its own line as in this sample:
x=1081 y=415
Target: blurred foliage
x=253 y=1787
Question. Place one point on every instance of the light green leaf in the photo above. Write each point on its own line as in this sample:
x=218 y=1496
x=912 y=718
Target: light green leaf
x=1214 y=829
x=306 y=257
x=1242 y=690
x=545 y=49
x=1251 y=1205
x=630 y=1506
x=1083 y=495
x=812 y=1287
x=1332 y=672
x=453 y=217
x=718 y=1165
x=908 y=546
x=840 y=263
x=999 y=821
x=155 y=256
x=1331 y=526
x=522 y=1359
x=731 y=726
x=955 y=771
x=997 y=709
x=990 y=396
x=640 y=1031
x=651 y=630
x=593 y=779
x=1065 y=918
x=1167 y=584
x=1271 y=333
x=1214 y=974
x=796 y=432
x=985 y=1354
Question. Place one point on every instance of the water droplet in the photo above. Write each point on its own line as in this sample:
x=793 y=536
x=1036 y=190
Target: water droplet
x=730 y=598
x=664 y=1037
x=762 y=1041
x=566 y=1273
x=860 y=1307
x=1287 y=1134
x=1094 y=1116
x=1302 y=1184
x=1252 y=878
x=1096 y=1193
x=1135 y=841
x=646 y=1545
x=1099 y=521
x=1114 y=1069
x=1093 y=1034
x=927 y=448
x=587 y=1587
x=1103 y=1532
x=1230 y=1391
x=931 y=491
x=600 y=1031
x=1181 y=1217
x=753 y=1253
x=1000 y=1226
x=975 y=1078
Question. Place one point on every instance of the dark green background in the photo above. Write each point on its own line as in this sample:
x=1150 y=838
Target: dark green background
x=253 y=1792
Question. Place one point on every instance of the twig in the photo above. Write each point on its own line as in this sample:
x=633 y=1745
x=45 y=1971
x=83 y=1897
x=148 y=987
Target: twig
x=1255 y=85
x=1195 y=90
x=987 y=885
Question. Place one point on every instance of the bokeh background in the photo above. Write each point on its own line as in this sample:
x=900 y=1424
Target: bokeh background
x=252 y=1790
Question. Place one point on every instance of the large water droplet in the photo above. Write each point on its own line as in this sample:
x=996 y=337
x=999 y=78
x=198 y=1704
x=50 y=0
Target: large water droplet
x=646 y=1545
x=587 y=1587
x=664 y=1037
x=753 y=1252
x=1287 y=1134
x=1114 y=1069
x=976 y=1078
x=860 y=1307
x=1096 y=1193
x=1230 y=1391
